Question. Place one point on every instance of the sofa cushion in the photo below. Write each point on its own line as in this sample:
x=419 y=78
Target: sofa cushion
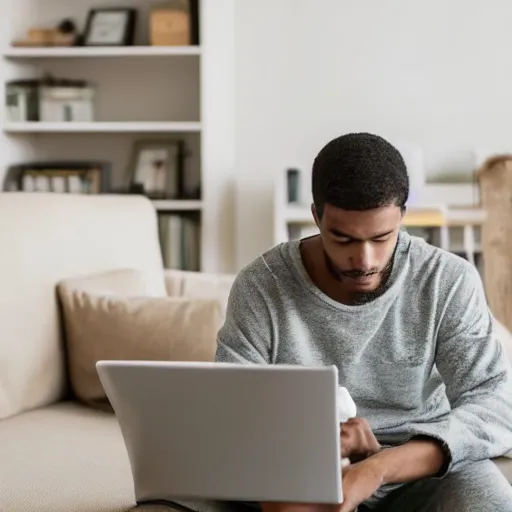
x=125 y=282
x=197 y=285
x=45 y=238
x=104 y=327
x=65 y=457
x=505 y=465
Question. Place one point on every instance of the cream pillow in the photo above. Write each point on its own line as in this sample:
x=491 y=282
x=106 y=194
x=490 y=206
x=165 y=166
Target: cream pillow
x=111 y=326
x=125 y=282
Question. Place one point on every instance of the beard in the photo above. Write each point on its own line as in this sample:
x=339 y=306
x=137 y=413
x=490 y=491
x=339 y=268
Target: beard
x=340 y=275
x=361 y=297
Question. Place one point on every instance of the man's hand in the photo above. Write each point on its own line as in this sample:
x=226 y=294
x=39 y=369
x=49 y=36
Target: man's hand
x=357 y=440
x=419 y=458
x=360 y=482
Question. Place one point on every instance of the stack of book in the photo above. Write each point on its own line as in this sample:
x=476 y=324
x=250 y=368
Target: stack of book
x=180 y=241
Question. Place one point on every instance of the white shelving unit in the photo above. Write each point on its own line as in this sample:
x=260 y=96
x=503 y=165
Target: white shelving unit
x=142 y=93
x=450 y=214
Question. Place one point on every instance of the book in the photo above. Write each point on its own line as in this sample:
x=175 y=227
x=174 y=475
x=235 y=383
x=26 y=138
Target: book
x=180 y=241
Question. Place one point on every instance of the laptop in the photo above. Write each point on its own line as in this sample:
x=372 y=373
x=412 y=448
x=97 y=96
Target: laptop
x=221 y=431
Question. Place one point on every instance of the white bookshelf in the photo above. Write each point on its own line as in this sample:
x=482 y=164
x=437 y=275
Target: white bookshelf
x=450 y=214
x=142 y=93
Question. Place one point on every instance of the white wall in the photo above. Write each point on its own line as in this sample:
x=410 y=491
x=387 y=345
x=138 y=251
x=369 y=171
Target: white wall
x=436 y=74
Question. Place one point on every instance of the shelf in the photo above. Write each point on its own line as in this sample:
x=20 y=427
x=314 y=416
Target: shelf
x=417 y=217
x=101 y=127
x=181 y=205
x=461 y=249
x=125 y=51
x=428 y=217
x=466 y=216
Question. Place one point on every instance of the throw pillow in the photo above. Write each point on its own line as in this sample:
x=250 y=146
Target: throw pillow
x=125 y=325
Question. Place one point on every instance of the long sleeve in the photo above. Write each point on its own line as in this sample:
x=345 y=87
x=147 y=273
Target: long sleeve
x=477 y=376
x=246 y=336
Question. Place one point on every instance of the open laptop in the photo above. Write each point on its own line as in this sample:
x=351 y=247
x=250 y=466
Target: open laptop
x=218 y=431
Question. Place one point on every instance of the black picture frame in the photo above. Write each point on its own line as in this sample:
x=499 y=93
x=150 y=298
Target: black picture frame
x=128 y=36
x=194 y=21
x=172 y=186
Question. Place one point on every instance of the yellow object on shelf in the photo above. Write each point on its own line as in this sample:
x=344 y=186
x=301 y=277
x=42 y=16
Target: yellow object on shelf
x=424 y=218
x=170 y=26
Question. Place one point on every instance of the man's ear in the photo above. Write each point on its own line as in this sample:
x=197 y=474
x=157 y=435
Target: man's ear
x=315 y=215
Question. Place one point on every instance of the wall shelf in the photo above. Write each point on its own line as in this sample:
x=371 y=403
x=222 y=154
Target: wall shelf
x=102 y=127
x=80 y=52
x=177 y=205
x=415 y=217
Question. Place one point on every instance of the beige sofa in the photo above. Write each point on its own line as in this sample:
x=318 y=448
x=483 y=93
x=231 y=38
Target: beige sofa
x=55 y=454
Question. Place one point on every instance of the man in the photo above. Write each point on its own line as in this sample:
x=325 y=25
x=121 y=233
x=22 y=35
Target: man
x=406 y=324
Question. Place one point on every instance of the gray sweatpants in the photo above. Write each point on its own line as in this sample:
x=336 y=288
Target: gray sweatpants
x=477 y=487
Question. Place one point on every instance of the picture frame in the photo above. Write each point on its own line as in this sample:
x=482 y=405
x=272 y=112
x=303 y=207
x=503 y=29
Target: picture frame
x=156 y=168
x=110 y=27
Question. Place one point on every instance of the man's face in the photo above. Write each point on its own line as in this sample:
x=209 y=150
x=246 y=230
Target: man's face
x=359 y=245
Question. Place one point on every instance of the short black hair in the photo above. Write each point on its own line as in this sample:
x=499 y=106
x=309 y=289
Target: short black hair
x=359 y=171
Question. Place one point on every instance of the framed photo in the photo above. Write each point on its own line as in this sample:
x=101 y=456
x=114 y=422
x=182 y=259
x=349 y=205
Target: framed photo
x=156 y=168
x=110 y=27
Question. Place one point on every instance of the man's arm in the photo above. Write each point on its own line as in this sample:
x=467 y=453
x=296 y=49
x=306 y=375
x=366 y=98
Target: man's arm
x=419 y=458
x=478 y=380
x=477 y=375
x=246 y=336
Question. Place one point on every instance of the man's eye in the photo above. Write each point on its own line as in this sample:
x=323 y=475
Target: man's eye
x=380 y=240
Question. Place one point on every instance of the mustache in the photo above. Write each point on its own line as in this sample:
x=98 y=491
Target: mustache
x=338 y=273
x=359 y=272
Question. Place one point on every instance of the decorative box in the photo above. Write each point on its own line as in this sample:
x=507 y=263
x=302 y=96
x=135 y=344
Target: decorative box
x=21 y=100
x=61 y=103
x=50 y=100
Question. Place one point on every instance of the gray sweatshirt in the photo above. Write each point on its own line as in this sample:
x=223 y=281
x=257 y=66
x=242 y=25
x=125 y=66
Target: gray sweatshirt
x=421 y=359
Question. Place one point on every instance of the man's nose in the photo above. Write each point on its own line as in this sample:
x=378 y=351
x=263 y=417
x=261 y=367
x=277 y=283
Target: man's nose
x=362 y=256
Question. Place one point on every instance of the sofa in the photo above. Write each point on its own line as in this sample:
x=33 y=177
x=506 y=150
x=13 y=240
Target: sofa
x=57 y=453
